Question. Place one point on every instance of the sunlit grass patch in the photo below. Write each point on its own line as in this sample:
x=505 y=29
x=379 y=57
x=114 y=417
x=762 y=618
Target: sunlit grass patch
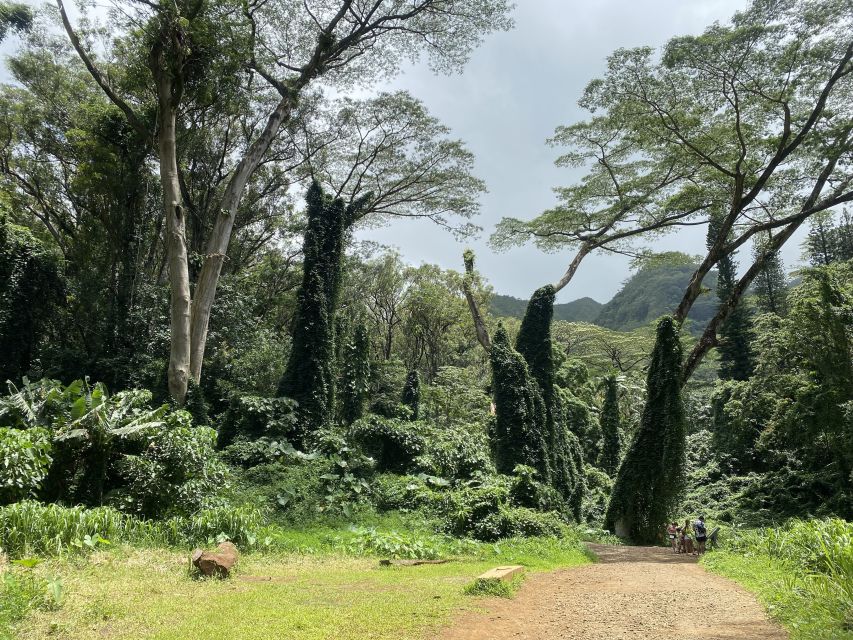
x=127 y=592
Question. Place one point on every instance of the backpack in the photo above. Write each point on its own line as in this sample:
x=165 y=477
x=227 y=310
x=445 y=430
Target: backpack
x=700 y=529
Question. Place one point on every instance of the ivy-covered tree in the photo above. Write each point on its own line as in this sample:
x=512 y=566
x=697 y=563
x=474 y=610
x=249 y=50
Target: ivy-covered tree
x=355 y=369
x=518 y=435
x=646 y=488
x=735 y=335
x=770 y=285
x=534 y=343
x=611 y=428
x=412 y=393
x=309 y=376
x=31 y=285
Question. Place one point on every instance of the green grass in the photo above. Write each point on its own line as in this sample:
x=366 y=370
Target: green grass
x=797 y=602
x=128 y=592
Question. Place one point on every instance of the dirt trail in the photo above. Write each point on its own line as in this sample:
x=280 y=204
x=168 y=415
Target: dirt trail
x=632 y=593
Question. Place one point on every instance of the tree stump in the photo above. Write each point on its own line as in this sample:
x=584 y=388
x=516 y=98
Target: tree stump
x=216 y=563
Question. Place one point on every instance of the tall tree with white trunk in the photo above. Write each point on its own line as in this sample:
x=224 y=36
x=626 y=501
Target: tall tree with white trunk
x=274 y=51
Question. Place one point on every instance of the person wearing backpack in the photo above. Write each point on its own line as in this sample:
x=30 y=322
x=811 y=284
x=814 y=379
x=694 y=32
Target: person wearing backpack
x=701 y=534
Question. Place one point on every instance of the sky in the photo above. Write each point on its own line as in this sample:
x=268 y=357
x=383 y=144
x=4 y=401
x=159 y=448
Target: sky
x=516 y=89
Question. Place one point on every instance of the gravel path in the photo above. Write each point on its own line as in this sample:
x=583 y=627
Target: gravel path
x=632 y=593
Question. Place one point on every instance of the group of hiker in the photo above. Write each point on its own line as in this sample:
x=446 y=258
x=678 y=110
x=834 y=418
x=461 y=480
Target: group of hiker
x=682 y=537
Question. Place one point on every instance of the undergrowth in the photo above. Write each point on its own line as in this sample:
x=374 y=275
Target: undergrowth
x=803 y=572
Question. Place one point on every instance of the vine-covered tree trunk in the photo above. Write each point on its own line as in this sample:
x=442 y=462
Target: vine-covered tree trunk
x=355 y=366
x=565 y=456
x=309 y=377
x=518 y=436
x=647 y=485
x=611 y=428
x=412 y=393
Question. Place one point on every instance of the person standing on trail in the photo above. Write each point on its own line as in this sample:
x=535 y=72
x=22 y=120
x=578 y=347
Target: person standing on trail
x=686 y=537
x=701 y=535
x=672 y=533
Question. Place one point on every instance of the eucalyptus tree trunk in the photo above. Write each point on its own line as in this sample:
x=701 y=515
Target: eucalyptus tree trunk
x=176 y=241
x=220 y=235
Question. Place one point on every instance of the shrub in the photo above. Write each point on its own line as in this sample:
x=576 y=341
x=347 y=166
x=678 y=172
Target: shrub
x=598 y=488
x=33 y=528
x=465 y=507
x=251 y=417
x=393 y=443
x=24 y=462
x=178 y=471
x=392 y=492
x=458 y=452
x=411 y=546
x=511 y=522
x=527 y=491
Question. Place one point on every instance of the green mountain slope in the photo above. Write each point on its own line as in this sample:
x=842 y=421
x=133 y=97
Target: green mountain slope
x=581 y=310
x=654 y=291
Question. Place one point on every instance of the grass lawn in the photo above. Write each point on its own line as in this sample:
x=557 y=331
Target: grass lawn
x=789 y=599
x=148 y=593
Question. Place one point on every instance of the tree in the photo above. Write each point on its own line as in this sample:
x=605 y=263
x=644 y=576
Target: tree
x=734 y=345
x=611 y=428
x=355 y=374
x=770 y=285
x=309 y=377
x=734 y=123
x=565 y=455
x=15 y=17
x=519 y=434
x=265 y=67
x=828 y=241
x=31 y=284
x=412 y=393
x=646 y=488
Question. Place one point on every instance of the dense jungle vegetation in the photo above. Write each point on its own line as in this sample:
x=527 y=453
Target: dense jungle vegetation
x=194 y=347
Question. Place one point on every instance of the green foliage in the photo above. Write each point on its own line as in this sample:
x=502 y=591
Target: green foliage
x=564 y=452
x=459 y=452
x=251 y=417
x=25 y=458
x=177 y=473
x=393 y=443
x=21 y=591
x=650 y=477
x=829 y=240
x=412 y=392
x=612 y=433
x=15 y=16
x=493 y=588
x=410 y=546
x=355 y=383
x=518 y=434
x=580 y=310
x=31 y=287
x=816 y=560
x=309 y=377
x=770 y=285
x=599 y=487
x=512 y=522
x=735 y=335
x=196 y=404
x=655 y=290
x=33 y=528
x=526 y=490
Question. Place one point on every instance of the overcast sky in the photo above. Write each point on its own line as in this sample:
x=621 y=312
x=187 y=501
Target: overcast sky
x=517 y=88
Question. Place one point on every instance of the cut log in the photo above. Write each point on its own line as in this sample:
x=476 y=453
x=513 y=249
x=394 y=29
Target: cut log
x=502 y=573
x=216 y=563
x=409 y=563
